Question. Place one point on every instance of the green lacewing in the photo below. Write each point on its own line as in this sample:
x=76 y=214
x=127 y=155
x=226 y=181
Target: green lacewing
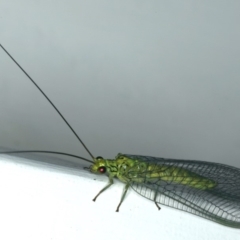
x=209 y=190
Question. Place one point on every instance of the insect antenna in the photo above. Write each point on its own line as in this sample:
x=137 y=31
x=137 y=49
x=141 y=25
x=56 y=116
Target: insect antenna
x=51 y=152
x=63 y=118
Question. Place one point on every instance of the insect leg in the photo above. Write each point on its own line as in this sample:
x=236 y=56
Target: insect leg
x=106 y=187
x=155 y=196
x=123 y=196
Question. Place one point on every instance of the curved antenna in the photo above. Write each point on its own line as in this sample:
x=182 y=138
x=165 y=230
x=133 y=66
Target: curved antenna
x=51 y=152
x=63 y=118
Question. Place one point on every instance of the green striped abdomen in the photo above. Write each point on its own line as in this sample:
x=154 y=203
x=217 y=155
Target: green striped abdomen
x=139 y=171
x=179 y=176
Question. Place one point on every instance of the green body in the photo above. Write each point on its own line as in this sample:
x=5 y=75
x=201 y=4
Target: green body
x=133 y=170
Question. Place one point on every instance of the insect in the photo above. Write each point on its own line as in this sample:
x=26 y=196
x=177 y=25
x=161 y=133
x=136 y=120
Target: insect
x=208 y=190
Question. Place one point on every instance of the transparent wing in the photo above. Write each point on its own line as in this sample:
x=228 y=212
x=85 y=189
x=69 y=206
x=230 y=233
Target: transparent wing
x=220 y=203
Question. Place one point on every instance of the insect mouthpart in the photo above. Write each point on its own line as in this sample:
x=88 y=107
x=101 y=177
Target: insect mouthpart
x=87 y=168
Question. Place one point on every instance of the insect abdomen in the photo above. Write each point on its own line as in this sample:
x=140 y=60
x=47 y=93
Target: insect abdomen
x=139 y=171
x=180 y=176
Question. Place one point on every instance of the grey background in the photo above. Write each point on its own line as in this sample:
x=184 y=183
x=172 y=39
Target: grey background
x=158 y=78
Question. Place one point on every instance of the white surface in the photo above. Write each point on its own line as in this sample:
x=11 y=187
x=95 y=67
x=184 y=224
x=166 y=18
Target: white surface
x=42 y=202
